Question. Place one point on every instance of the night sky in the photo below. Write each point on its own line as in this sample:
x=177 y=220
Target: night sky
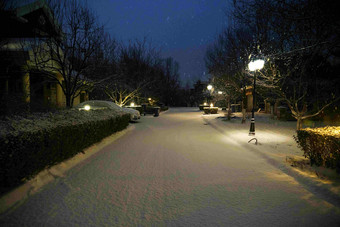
x=181 y=29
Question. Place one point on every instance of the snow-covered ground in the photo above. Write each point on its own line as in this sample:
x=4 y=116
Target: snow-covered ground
x=184 y=168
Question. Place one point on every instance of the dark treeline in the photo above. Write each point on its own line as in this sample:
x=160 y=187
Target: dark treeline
x=135 y=72
x=299 y=41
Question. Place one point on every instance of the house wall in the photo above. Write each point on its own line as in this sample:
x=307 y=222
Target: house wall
x=52 y=92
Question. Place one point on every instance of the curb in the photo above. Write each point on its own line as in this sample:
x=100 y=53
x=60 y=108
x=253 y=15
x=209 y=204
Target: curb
x=162 y=112
x=17 y=196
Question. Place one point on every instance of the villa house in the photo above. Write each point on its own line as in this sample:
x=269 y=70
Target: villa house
x=18 y=77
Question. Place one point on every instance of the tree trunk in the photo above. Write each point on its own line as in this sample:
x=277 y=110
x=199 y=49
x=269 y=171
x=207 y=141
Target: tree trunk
x=243 y=109
x=229 y=111
x=298 y=123
x=243 y=116
x=68 y=100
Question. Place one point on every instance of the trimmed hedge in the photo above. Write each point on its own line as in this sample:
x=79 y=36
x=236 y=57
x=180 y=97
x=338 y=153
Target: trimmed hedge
x=321 y=146
x=30 y=145
x=210 y=110
x=152 y=109
x=201 y=107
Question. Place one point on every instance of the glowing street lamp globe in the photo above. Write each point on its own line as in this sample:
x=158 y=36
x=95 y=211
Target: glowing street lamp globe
x=256 y=65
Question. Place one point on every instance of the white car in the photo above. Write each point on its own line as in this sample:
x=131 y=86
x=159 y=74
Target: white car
x=100 y=104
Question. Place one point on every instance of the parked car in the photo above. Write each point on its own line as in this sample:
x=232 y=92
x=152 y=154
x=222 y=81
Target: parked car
x=100 y=104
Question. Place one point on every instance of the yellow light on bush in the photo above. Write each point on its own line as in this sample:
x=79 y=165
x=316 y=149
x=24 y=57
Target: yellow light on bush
x=87 y=107
x=211 y=105
x=149 y=99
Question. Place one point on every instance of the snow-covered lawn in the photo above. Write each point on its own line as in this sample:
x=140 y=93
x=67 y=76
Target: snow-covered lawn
x=275 y=141
x=273 y=136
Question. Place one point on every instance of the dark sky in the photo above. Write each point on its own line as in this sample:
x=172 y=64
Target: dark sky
x=181 y=29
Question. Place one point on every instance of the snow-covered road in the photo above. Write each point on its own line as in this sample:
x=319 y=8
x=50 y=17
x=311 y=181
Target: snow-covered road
x=182 y=169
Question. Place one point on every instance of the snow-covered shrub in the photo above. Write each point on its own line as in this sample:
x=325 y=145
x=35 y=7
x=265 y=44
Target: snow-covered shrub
x=210 y=110
x=201 y=106
x=28 y=145
x=321 y=146
x=213 y=110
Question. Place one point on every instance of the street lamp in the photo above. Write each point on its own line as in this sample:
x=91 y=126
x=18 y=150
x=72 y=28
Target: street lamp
x=253 y=66
x=209 y=87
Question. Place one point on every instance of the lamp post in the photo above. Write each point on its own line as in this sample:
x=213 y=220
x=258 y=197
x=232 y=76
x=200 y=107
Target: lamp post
x=209 y=87
x=253 y=66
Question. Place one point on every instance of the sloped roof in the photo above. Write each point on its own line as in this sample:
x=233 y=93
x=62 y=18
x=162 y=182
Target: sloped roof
x=31 y=20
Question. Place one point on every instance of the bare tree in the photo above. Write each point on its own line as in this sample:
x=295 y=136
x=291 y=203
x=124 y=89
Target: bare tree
x=300 y=39
x=226 y=61
x=297 y=91
x=136 y=70
x=170 y=81
x=67 y=57
x=121 y=96
x=229 y=91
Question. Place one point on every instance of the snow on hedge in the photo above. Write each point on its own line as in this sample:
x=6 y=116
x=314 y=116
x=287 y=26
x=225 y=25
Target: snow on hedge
x=39 y=121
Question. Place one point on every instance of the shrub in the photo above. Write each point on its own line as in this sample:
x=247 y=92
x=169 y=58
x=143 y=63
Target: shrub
x=152 y=109
x=210 y=110
x=201 y=107
x=28 y=145
x=213 y=110
x=321 y=146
